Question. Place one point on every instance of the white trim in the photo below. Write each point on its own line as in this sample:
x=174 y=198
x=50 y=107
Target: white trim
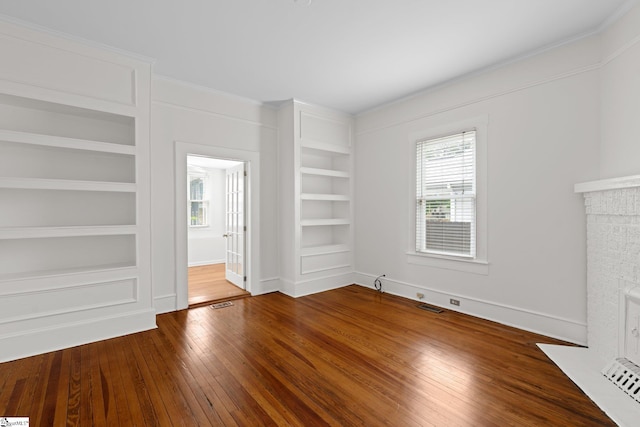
x=57 y=337
x=479 y=264
x=468 y=265
x=421 y=116
x=313 y=286
x=540 y=323
x=616 y=15
x=213 y=113
x=76 y=39
x=619 y=51
x=165 y=303
x=267 y=286
x=206 y=262
x=212 y=91
x=252 y=248
x=608 y=184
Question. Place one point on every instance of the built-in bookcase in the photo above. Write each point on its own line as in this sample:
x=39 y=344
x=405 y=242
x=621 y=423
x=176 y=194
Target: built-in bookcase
x=67 y=189
x=75 y=252
x=321 y=169
x=325 y=197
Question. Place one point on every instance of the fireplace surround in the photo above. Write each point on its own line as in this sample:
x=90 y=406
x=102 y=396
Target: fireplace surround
x=613 y=296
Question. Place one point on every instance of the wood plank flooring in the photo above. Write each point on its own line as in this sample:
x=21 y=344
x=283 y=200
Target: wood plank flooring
x=346 y=357
x=207 y=284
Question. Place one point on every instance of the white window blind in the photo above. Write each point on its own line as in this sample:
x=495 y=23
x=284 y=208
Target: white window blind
x=446 y=195
x=198 y=201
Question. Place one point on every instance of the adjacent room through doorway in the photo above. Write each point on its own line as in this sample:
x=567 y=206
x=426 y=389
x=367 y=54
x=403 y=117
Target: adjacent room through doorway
x=216 y=206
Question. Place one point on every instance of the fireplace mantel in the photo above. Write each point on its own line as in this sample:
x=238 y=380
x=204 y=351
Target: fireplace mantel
x=612 y=209
x=608 y=184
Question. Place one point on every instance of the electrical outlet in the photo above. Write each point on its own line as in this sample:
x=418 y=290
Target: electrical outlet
x=420 y=295
x=454 y=302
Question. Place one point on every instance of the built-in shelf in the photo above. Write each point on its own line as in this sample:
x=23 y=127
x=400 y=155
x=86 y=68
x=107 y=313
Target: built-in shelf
x=7 y=233
x=324 y=172
x=608 y=184
x=319 y=222
x=64 y=142
x=114 y=270
x=327 y=197
x=324 y=250
x=65 y=184
x=325 y=147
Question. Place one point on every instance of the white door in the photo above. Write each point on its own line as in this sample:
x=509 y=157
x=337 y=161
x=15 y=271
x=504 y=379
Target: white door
x=235 y=225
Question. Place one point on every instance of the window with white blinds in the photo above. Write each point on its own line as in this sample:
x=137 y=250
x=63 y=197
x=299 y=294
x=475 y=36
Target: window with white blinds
x=446 y=195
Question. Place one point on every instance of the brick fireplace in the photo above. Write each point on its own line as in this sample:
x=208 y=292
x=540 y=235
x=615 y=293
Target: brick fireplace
x=613 y=283
x=613 y=263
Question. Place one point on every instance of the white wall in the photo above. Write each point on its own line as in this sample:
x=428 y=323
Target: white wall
x=206 y=244
x=543 y=137
x=187 y=114
x=620 y=149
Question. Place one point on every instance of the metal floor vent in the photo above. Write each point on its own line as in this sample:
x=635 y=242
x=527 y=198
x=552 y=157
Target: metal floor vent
x=625 y=375
x=430 y=308
x=222 y=304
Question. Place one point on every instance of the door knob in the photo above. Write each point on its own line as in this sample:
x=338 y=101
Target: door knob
x=226 y=235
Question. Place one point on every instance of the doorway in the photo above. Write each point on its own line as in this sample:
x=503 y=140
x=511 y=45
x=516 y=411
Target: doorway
x=251 y=160
x=216 y=203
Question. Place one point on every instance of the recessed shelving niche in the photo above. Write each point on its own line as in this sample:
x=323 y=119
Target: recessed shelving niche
x=67 y=190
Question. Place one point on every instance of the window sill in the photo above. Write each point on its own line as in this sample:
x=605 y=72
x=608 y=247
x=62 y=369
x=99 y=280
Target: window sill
x=467 y=265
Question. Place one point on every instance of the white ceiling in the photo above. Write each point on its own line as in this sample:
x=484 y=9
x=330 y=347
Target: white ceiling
x=351 y=55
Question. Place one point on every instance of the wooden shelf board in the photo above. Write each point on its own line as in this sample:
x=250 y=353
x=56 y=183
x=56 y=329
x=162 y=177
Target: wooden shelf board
x=7 y=233
x=65 y=184
x=323 y=250
x=35 y=275
x=329 y=267
x=64 y=142
x=323 y=146
x=324 y=172
x=327 y=197
x=319 y=222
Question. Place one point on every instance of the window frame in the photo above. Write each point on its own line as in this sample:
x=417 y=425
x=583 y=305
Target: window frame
x=479 y=264
x=464 y=201
x=191 y=175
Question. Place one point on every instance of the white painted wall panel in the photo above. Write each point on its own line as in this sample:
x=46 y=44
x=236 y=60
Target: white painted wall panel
x=190 y=115
x=66 y=71
x=621 y=98
x=36 y=303
x=73 y=268
x=543 y=137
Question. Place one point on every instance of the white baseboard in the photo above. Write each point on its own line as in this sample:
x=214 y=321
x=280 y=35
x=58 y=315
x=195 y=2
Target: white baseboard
x=313 y=286
x=63 y=336
x=208 y=262
x=540 y=323
x=266 y=286
x=165 y=303
x=168 y=303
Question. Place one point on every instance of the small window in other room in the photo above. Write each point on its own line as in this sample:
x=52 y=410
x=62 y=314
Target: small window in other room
x=198 y=201
x=446 y=195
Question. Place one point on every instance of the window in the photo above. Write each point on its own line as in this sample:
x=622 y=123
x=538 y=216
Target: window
x=446 y=195
x=198 y=201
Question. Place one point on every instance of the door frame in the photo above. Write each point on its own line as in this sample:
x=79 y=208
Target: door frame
x=252 y=213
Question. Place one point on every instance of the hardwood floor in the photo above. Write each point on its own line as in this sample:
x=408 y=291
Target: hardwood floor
x=207 y=284
x=346 y=357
